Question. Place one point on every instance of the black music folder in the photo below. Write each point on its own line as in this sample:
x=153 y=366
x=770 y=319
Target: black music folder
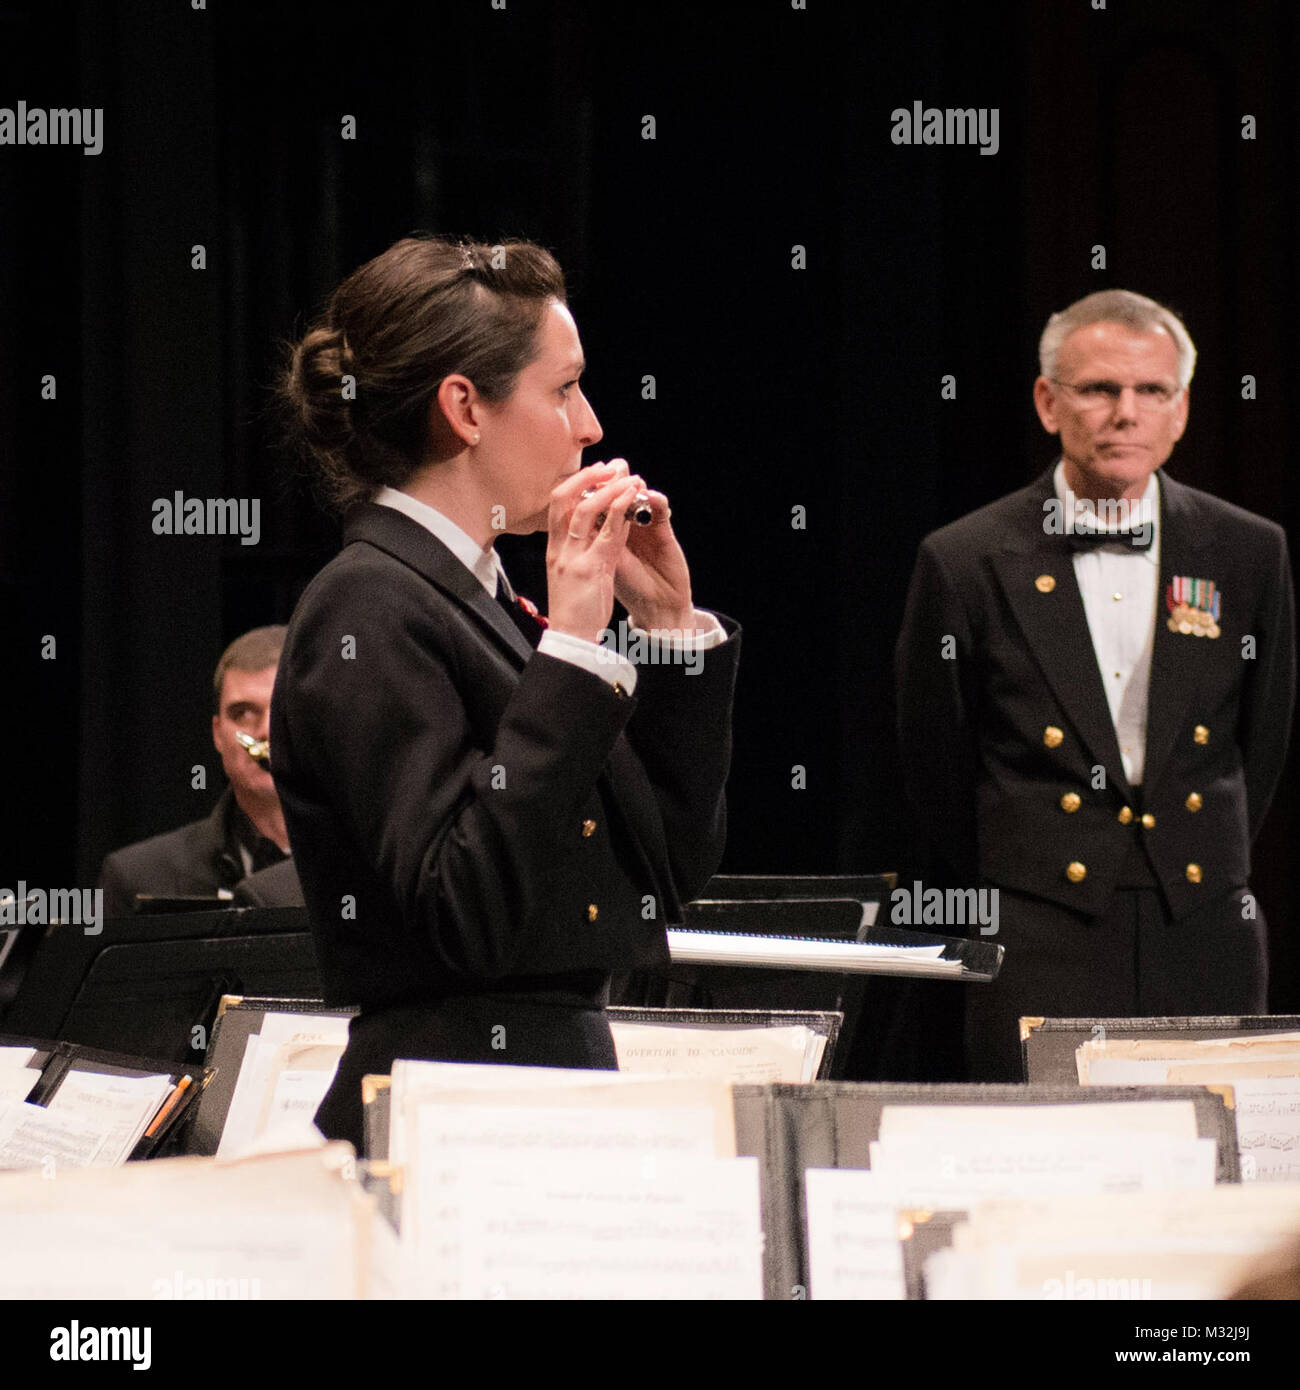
x=237 y=1019
x=1048 y=1045
x=56 y=1061
x=831 y=1125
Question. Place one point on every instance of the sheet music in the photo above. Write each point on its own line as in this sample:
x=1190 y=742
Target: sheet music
x=453 y=1134
x=286 y=1226
x=955 y=1170
x=853 y=1240
x=1268 y=1119
x=17 y=1074
x=267 y=1101
x=1176 y=1118
x=121 y=1107
x=299 y=1074
x=681 y=1228
x=1187 y=1244
x=412 y=1078
x=740 y=1054
x=794 y=953
x=285 y=1027
x=34 y=1137
x=1106 y=1053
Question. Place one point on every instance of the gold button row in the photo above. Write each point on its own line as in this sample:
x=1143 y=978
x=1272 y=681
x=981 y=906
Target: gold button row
x=1053 y=737
x=1077 y=872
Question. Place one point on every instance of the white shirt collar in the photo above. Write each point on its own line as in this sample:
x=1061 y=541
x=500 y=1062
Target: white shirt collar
x=481 y=561
x=1145 y=508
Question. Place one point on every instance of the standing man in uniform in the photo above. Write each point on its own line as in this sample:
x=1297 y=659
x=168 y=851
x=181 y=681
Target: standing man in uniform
x=1096 y=677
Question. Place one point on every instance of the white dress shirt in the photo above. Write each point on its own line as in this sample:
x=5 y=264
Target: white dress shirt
x=485 y=565
x=1119 y=585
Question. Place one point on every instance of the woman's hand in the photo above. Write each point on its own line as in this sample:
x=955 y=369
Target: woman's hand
x=652 y=580
x=583 y=557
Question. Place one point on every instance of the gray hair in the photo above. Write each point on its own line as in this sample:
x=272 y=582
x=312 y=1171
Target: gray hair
x=1116 y=306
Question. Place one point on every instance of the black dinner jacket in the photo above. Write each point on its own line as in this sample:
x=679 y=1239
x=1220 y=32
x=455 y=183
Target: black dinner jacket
x=197 y=859
x=464 y=809
x=987 y=662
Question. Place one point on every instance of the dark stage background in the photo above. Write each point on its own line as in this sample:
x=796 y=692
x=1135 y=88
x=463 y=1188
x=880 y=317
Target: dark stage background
x=776 y=387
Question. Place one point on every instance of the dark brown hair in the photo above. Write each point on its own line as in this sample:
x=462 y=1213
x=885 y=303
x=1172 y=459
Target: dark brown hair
x=254 y=651
x=397 y=326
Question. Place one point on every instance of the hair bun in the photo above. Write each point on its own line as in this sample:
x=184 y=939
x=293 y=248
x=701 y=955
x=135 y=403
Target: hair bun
x=321 y=400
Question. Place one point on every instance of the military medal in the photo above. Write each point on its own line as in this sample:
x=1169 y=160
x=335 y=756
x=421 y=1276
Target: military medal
x=1193 y=606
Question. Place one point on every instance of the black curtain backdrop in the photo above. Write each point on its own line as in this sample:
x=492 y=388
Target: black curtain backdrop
x=776 y=387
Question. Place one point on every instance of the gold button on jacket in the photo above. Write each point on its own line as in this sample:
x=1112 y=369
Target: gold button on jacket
x=592 y=912
x=1052 y=736
x=1200 y=734
x=1194 y=802
x=1071 y=801
x=1193 y=873
x=1044 y=583
x=1075 y=871
x=588 y=829
x=1125 y=816
x=1149 y=821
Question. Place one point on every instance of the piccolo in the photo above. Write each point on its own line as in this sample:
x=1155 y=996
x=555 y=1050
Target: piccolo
x=639 y=513
x=259 y=749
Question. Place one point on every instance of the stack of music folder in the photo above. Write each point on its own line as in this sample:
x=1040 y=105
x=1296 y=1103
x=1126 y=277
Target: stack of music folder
x=65 y=1106
x=1254 y=1062
x=840 y=1167
x=272 y=1060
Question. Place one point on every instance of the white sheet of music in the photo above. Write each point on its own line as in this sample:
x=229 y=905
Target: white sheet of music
x=1176 y=1118
x=121 y=1106
x=689 y=946
x=1268 y=1115
x=16 y=1082
x=287 y=1226
x=1189 y=1244
x=741 y=1055
x=455 y=1133
x=424 y=1080
x=307 y=1045
x=595 y=1227
x=954 y=1170
x=300 y=1074
x=853 y=1241
x=1137 y=1058
x=34 y=1137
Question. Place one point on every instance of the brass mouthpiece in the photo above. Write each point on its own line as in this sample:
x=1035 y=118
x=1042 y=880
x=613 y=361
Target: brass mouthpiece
x=259 y=749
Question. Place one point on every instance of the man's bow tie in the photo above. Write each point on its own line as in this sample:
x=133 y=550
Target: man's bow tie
x=1139 y=539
